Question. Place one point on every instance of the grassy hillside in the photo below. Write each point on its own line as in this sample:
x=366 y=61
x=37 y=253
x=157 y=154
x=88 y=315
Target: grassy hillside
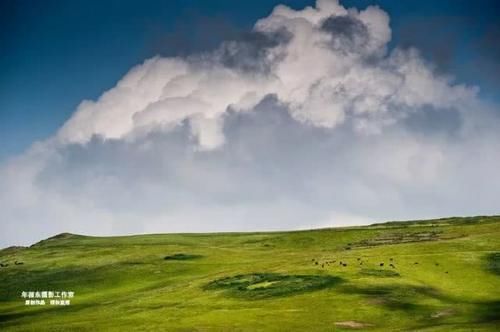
x=438 y=275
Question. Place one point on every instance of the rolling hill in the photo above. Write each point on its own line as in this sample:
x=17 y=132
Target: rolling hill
x=432 y=275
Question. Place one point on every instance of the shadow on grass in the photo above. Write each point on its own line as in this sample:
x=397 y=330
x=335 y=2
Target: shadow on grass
x=487 y=312
x=16 y=281
x=65 y=278
x=394 y=297
x=493 y=263
x=266 y=285
x=182 y=257
x=379 y=273
x=409 y=299
x=12 y=318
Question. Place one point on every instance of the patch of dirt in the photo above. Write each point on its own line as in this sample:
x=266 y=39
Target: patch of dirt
x=352 y=324
x=443 y=313
x=399 y=237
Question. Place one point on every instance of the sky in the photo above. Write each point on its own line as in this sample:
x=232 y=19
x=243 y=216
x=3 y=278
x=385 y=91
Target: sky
x=121 y=117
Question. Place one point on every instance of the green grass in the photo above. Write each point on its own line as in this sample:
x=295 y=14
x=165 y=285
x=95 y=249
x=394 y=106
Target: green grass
x=436 y=275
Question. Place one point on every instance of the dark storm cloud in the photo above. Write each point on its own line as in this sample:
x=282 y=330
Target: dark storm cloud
x=234 y=46
x=348 y=32
x=248 y=53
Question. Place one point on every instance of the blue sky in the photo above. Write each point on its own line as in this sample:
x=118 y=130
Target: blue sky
x=56 y=53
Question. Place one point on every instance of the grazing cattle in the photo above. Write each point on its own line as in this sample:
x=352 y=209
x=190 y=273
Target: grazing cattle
x=344 y=264
x=340 y=263
x=18 y=263
x=437 y=264
x=446 y=272
x=416 y=263
x=358 y=258
x=392 y=265
x=390 y=259
x=381 y=264
x=322 y=266
x=4 y=265
x=315 y=263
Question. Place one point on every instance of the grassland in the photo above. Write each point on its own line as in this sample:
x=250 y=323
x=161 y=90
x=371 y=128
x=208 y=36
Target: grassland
x=437 y=275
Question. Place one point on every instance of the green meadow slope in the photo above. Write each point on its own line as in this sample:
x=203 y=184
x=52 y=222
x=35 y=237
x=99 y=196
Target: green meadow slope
x=437 y=275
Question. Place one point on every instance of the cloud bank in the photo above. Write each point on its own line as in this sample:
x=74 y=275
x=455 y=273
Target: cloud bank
x=308 y=121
